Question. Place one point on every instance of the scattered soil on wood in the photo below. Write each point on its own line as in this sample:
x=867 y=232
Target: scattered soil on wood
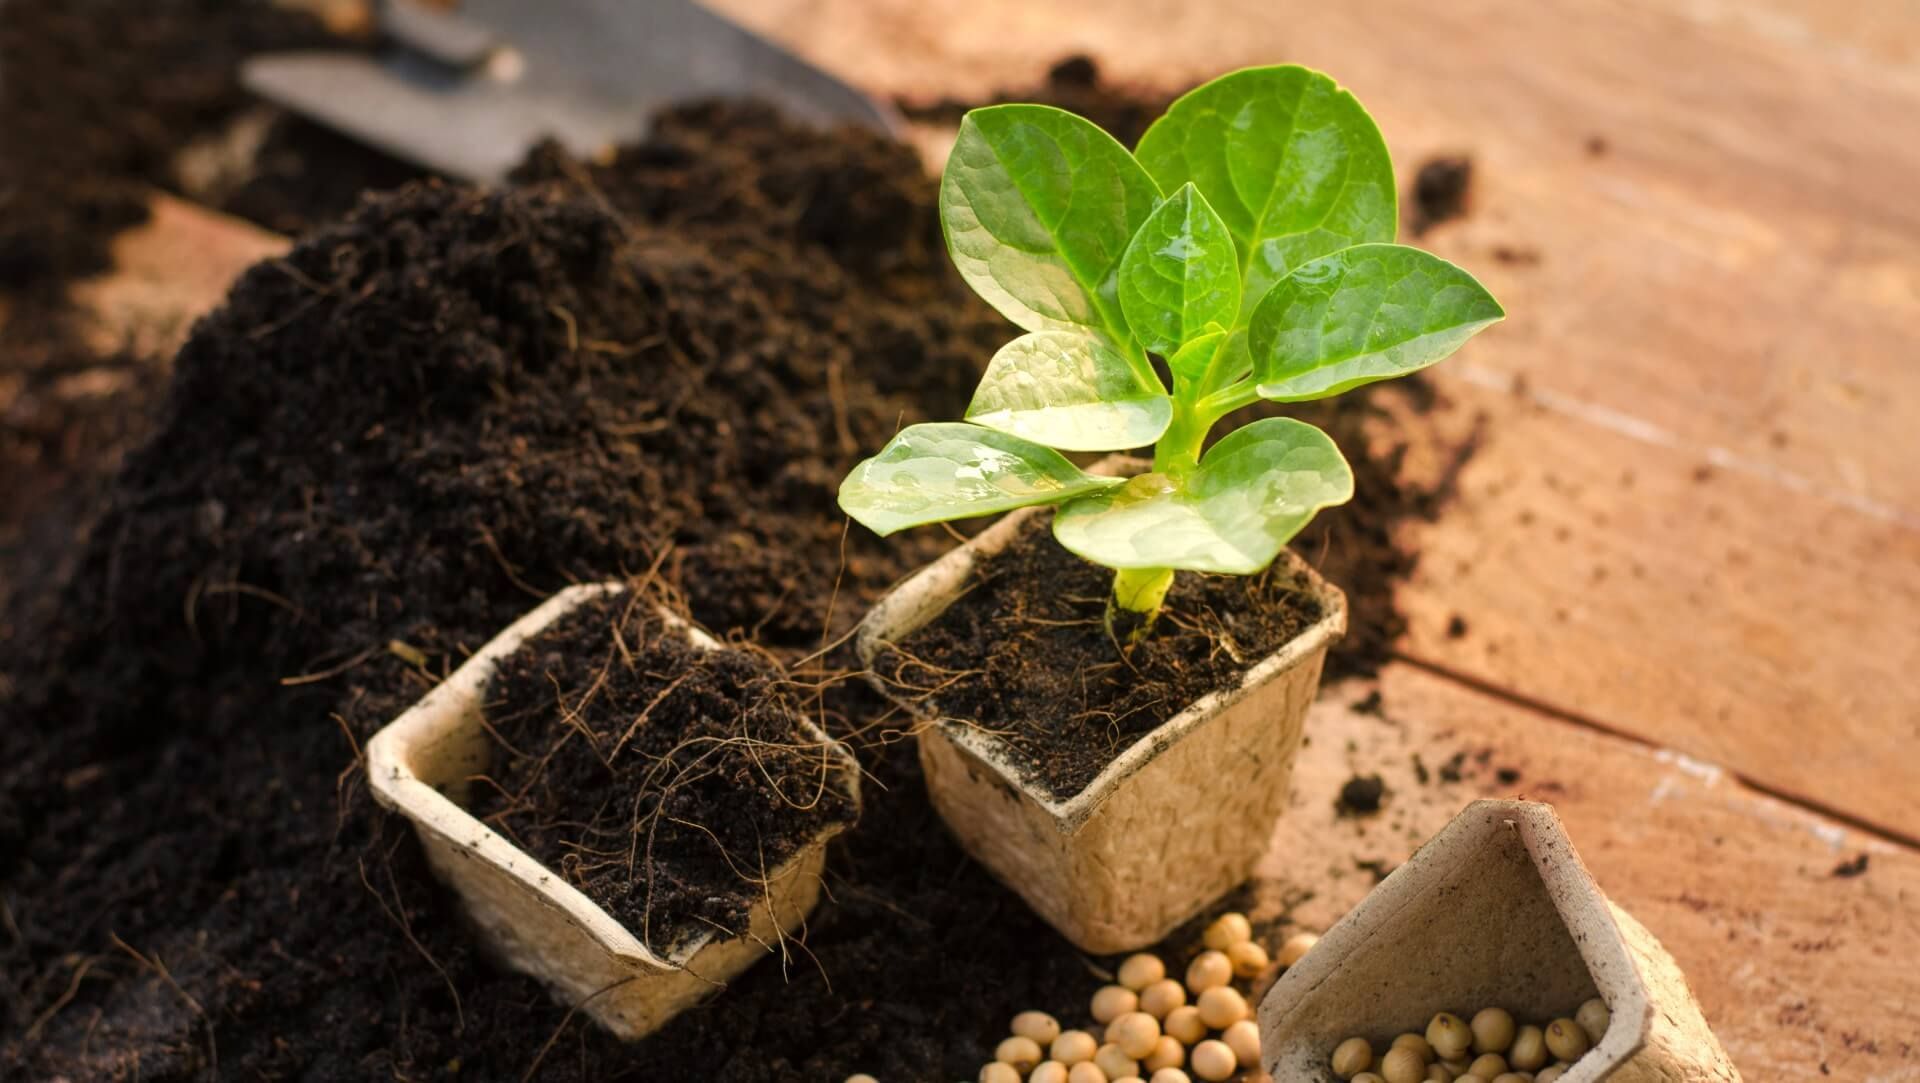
x=1073 y=84
x=664 y=780
x=1025 y=653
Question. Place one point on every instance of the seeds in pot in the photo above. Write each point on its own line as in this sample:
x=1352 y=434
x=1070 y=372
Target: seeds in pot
x=1167 y=1053
x=1548 y=1075
x=1297 y=947
x=1227 y=930
x=1594 y=1018
x=1051 y=1071
x=1039 y=1026
x=1488 y=1065
x=1115 y=1062
x=1449 y=1037
x=1492 y=1030
x=1566 y=1041
x=1529 y=1051
x=1244 y=1039
x=1086 y=1072
x=1352 y=1057
x=1208 y=970
x=1248 y=959
x=1136 y=1033
x=1212 y=1060
x=1142 y=970
x=1073 y=1046
x=996 y=1072
x=1169 y=1075
x=1185 y=1024
x=1112 y=1002
x=1416 y=1043
x=1221 y=1007
x=1162 y=997
x=1021 y=1053
x=1403 y=1065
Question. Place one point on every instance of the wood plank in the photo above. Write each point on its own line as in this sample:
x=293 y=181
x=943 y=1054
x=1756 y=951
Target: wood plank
x=1802 y=973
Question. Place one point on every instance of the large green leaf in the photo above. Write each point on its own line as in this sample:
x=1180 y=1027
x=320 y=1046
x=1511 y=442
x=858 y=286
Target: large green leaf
x=1069 y=390
x=1368 y=313
x=1180 y=273
x=1252 y=493
x=952 y=470
x=1038 y=206
x=1293 y=164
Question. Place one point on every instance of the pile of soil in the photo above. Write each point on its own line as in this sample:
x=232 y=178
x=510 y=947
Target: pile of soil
x=651 y=773
x=1044 y=675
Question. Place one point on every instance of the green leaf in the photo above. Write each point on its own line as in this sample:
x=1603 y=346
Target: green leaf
x=1038 y=206
x=1070 y=391
x=1192 y=360
x=1252 y=493
x=1180 y=273
x=1293 y=164
x=952 y=470
x=1368 y=313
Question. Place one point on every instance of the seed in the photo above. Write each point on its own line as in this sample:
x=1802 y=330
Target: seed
x=1448 y=1036
x=1566 y=1041
x=1086 y=1072
x=861 y=1077
x=1022 y=1053
x=1213 y=1060
x=1548 y=1075
x=1403 y=1065
x=1115 y=1062
x=1136 y=1033
x=1227 y=930
x=1185 y=1024
x=1162 y=997
x=996 y=1072
x=1167 y=1053
x=1488 y=1065
x=1416 y=1043
x=1510 y=1077
x=1458 y=1066
x=1297 y=947
x=1049 y=1071
x=1492 y=1030
x=1142 y=970
x=1368 y=1077
x=1074 y=1046
x=1165 y=1075
x=1112 y=1002
x=1128 y=1079
x=1039 y=1026
x=1439 y=1073
x=1208 y=969
x=1593 y=1018
x=1352 y=1057
x=1244 y=1039
x=1222 y=1006
x=1529 y=1052
x=1249 y=960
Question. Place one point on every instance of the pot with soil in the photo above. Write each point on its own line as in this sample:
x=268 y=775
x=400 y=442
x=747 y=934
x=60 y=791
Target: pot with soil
x=1494 y=920
x=625 y=808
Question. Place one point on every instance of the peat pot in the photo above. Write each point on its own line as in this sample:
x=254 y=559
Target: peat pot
x=1175 y=821
x=1494 y=911
x=535 y=922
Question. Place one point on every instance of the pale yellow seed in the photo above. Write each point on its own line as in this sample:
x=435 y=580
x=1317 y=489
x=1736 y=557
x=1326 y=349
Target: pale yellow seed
x=1458 y=1066
x=1086 y=1072
x=1227 y=930
x=1222 y=1006
x=1142 y=970
x=1162 y=997
x=1039 y=1026
x=1439 y=1073
x=1488 y=1065
x=1352 y=1057
x=1212 y=1060
x=996 y=1072
x=1403 y=1065
x=1513 y=1077
x=1136 y=1033
x=1168 y=1075
x=1594 y=1018
x=1050 y=1071
x=1529 y=1052
x=1112 y=1002
x=1566 y=1041
x=1114 y=1061
x=1448 y=1036
x=1368 y=1077
x=1297 y=947
x=1244 y=1039
x=1129 y=1079
x=1492 y=1030
x=1022 y=1053
x=1249 y=959
x=1073 y=1046
x=1548 y=1075
x=1416 y=1043
x=1208 y=969
x=1167 y=1053
x=1185 y=1024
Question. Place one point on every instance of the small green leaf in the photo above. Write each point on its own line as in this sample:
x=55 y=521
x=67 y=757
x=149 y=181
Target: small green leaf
x=1192 y=360
x=1292 y=163
x=951 y=470
x=1368 y=313
x=1038 y=206
x=1069 y=391
x=1180 y=273
x=1252 y=493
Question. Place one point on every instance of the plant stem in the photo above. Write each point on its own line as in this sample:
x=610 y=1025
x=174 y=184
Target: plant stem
x=1178 y=451
x=1136 y=599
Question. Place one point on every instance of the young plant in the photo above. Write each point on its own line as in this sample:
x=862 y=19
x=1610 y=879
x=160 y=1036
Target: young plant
x=1247 y=244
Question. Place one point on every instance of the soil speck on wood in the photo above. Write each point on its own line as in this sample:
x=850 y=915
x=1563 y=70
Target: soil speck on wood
x=1362 y=794
x=1441 y=190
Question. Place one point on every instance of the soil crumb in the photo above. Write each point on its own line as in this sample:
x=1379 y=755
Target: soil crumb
x=1441 y=190
x=1854 y=866
x=1361 y=795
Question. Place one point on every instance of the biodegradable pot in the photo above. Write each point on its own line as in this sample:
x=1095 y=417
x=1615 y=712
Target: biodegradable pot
x=1494 y=911
x=420 y=765
x=1175 y=821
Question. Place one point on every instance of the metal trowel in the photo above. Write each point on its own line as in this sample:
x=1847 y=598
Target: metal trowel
x=468 y=91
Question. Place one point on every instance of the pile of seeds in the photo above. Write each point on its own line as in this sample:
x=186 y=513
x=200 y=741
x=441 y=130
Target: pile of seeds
x=1491 y=1048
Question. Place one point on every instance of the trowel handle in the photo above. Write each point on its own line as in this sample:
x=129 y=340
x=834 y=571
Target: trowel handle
x=438 y=33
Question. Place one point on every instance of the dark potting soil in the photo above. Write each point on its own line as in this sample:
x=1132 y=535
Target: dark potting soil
x=666 y=781
x=1045 y=675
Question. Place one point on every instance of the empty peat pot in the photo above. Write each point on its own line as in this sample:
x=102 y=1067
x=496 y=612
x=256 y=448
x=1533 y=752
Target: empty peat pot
x=535 y=922
x=1496 y=911
x=1176 y=820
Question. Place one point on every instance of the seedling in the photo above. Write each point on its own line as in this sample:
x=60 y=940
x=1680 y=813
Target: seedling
x=1247 y=245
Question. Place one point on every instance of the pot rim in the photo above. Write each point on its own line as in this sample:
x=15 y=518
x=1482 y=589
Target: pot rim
x=394 y=784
